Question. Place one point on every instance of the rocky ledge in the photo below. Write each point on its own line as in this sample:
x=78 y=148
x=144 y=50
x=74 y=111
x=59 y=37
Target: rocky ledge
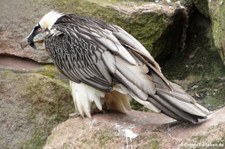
x=138 y=130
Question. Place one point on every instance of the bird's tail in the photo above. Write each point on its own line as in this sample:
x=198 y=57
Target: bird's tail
x=149 y=87
x=173 y=101
x=178 y=105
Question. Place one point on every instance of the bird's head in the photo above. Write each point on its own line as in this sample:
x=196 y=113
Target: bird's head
x=41 y=29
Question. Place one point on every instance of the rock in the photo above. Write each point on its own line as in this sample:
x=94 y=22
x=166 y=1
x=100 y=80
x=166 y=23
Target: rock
x=33 y=98
x=12 y=48
x=149 y=22
x=216 y=10
x=137 y=130
x=210 y=92
x=198 y=63
x=17 y=24
x=202 y=6
x=19 y=63
x=31 y=105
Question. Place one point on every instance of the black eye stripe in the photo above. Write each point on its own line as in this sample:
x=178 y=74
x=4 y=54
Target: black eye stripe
x=37 y=27
x=33 y=33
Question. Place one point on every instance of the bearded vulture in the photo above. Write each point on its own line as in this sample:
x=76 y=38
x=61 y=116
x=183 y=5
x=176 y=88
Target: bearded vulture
x=108 y=66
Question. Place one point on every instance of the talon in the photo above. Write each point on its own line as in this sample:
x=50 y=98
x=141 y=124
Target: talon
x=74 y=115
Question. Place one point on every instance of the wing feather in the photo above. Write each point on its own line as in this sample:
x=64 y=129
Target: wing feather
x=77 y=59
x=129 y=40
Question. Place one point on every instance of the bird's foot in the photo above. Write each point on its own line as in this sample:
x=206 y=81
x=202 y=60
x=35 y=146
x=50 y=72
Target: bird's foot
x=77 y=114
x=74 y=115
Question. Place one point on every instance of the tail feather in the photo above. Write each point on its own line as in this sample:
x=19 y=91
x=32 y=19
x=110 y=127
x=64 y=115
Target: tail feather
x=164 y=109
x=175 y=102
x=175 y=113
x=182 y=105
x=181 y=110
x=181 y=96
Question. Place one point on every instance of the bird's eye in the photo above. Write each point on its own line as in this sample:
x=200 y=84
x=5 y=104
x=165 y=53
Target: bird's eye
x=39 y=29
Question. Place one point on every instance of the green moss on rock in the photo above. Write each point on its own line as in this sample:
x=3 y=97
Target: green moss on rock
x=36 y=105
x=217 y=13
x=154 y=144
x=144 y=141
x=146 y=24
x=200 y=61
x=50 y=105
x=213 y=138
x=202 y=6
x=211 y=90
x=220 y=143
x=199 y=57
x=50 y=71
x=104 y=137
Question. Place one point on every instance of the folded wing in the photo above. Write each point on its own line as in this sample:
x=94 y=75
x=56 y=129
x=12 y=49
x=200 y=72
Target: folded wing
x=104 y=56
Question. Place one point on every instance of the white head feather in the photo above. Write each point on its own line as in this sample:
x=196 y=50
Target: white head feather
x=49 y=19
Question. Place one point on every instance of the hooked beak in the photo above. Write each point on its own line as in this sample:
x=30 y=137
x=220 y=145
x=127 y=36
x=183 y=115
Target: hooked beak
x=30 y=40
x=25 y=43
